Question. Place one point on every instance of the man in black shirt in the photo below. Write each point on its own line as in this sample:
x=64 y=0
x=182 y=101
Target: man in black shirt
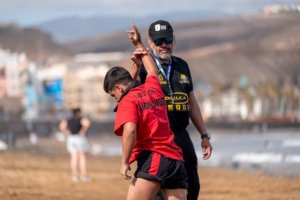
x=176 y=81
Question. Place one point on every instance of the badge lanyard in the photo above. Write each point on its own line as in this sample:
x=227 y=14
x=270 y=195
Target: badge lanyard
x=167 y=77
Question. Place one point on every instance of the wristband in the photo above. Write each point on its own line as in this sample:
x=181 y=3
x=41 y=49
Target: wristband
x=205 y=135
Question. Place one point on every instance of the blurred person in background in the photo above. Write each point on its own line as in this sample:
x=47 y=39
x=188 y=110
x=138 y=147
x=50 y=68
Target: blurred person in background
x=176 y=81
x=75 y=128
x=142 y=121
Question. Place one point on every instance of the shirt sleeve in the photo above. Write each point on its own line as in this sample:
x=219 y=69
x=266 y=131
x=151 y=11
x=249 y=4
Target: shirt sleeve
x=127 y=112
x=191 y=88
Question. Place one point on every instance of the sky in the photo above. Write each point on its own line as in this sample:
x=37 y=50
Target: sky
x=33 y=12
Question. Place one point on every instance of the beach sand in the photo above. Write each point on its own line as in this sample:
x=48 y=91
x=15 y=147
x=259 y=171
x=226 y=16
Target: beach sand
x=42 y=172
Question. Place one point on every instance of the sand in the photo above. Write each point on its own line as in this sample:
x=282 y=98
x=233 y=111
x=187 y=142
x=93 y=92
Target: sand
x=42 y=172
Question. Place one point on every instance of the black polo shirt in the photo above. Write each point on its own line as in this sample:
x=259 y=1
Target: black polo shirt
x=182 y=85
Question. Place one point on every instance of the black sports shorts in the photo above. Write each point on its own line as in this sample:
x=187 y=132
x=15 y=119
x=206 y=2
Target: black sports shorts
x=156 y=167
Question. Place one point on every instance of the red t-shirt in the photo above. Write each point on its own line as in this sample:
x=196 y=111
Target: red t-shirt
x=145 y=106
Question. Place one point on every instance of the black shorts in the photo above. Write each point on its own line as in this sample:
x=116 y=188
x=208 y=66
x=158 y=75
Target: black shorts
x=156 y=167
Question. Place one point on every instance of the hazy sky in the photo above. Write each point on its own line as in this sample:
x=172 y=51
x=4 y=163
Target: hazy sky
x=30 y=12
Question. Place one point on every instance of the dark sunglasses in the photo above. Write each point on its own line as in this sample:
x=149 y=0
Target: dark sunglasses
x=158 y=42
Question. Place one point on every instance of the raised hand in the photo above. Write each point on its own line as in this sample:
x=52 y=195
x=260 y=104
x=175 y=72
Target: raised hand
x=141 y=53
x=134 y=35
x=136 y=55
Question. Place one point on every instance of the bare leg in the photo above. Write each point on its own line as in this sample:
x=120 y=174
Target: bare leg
x=82 y=164
x=74 y=164
x=141 y=189
x=175 y=194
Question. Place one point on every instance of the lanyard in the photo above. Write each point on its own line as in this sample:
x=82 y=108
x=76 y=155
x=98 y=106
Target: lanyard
x=167 y=77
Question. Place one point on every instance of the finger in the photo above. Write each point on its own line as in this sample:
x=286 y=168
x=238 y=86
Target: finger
x=134 y=27
x=204 y=151
x=207 y=153
x=126 y=177
x=138 y=53
x=142 y=50
x=131 y=32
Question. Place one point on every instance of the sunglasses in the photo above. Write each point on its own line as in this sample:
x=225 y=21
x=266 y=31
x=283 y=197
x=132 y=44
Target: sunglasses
x=158 y=42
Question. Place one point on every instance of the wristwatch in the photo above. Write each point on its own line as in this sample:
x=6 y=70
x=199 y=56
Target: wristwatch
x=205 y=135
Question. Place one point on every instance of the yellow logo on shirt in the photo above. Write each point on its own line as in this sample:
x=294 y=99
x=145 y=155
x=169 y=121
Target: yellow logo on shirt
x=178 y=98
x=161 y=79
x=184 y=79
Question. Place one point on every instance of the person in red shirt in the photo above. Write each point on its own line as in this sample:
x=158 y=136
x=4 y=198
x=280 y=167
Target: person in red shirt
x=142 y=121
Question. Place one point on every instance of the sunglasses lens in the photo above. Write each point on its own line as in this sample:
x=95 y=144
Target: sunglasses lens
x=159 y=41
x=169 y=40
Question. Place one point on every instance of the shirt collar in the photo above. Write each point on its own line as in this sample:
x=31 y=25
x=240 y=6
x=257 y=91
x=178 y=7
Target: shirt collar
x=132 y=85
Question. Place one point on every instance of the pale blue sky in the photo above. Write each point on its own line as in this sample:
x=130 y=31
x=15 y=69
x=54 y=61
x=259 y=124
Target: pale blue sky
x=31 y=12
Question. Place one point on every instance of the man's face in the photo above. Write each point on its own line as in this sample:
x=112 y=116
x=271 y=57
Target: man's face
x=163 y=48
x=116 y=93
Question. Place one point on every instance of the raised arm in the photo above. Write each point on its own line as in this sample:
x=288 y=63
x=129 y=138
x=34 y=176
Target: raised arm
x=134 y=71
x=141 y=53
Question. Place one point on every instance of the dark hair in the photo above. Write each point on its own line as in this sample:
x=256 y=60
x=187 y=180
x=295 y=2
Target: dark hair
x=75 y=111
x=116 y=75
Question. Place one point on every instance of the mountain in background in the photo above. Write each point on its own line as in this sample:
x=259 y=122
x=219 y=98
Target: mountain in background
x=37 y=45
x=71 y=28
x=261 y=47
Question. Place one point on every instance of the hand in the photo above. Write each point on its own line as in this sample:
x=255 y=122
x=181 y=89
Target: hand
x=123 y=171
x=206 y=148
x=134 y=35
x=136 y=56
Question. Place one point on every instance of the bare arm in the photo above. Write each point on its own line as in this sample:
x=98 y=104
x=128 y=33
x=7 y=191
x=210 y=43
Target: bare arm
x=85 y=123
x=195 y=114
x=128 y=141
x=141 y=52
x=134 y=71
x=197 y=120
x=63 y=127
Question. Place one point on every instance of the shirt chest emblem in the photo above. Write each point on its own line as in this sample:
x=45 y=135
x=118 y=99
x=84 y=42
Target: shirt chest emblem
x=162 y=80
x=184 y=79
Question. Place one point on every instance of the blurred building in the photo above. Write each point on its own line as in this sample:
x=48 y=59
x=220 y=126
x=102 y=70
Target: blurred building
x=82 y=87
x=50 y=90
x=78 y=83
x=12 y=68
x=281 y=8
x=230 y=105
x=265 y=102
